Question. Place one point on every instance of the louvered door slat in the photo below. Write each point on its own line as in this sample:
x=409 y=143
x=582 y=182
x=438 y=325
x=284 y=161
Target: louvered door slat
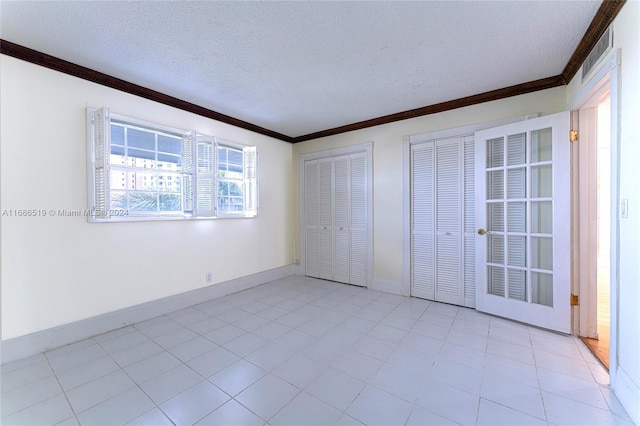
x=341 y=255
x=422 y=216
x=358 y=219
x=448 y=282
x=448 y=221
x=325 y=219
x=448 y=212
x=468 y=252
x=311 y=218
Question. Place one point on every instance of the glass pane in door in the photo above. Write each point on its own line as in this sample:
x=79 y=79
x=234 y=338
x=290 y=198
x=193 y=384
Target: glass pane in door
x=495 y=217
x=519 y=217
x=516 y=149
x=542 y=253
x=495 y=279
x=517 y=183
x=541 y=145
x=542 y=288
x=495 y=250
x=495 y=185
x=541 y=181
x=517 y=247
x=541 y=217
x=518 y=284
x=495 y=152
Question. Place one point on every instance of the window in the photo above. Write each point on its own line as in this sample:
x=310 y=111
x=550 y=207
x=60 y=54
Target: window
x=142 y=171
x=230 y=180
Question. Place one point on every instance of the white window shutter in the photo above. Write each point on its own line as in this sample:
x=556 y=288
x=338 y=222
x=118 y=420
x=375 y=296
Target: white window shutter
x=188 y=170
x=205 y=179
x=250 y=180
x=102 y=152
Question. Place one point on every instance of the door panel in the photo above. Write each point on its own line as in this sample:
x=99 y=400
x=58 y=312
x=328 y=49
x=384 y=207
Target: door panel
x=311 y=217
x=341 y=255
x=422 y=221
x=448 y=196
x=469 y=209
x=325 y=219
x=358 y=219
x=522 y=202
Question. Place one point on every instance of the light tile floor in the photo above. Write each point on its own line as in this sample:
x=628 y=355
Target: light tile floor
x=301 y=351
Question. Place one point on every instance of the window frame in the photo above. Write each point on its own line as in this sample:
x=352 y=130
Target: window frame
x=190 y=175
x=156 y=172
x=221 y=143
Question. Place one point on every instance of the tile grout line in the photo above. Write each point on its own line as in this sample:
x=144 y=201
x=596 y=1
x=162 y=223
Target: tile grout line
x=66 y=397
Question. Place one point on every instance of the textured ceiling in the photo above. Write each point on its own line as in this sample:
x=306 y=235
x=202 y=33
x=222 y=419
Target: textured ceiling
x=301 y=67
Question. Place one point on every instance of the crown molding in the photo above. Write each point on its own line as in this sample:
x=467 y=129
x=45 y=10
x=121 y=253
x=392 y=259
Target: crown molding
x=38 y=58
x=608 y=10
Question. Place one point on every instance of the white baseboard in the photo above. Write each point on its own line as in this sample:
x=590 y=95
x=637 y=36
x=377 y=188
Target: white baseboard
x=41 y=341
x=388 y=286
x=628 y=394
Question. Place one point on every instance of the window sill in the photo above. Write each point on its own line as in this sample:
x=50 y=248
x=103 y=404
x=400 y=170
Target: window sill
x=122 y=219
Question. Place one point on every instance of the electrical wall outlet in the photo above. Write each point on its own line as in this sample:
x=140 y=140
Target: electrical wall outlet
x=624 y=208
x=209 y=277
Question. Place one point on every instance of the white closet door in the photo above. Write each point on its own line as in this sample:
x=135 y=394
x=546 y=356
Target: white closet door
x=422 y=220
x=336 y=218
x=325 y=218
x=469 y=248
x=439 y=221
x=341 y=253
x=358 y=219
x=448 y=195
x=311 y=217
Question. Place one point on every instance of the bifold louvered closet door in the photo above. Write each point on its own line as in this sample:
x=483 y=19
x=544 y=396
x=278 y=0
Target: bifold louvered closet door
x=336 y=218
x=442 y=220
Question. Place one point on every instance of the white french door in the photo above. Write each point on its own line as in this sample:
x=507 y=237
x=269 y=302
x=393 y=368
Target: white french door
x=523 y=219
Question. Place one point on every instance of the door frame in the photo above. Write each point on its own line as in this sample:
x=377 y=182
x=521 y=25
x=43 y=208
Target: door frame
x=607 y=77
x=408 y=141
x=366 y=148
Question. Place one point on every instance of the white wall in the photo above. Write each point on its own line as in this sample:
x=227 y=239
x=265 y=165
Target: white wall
x=626 y=379
x=57 y=270
x=388 y=171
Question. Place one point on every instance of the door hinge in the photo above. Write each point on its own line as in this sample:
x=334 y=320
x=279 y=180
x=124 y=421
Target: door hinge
x=573 y=135
x=574 y=300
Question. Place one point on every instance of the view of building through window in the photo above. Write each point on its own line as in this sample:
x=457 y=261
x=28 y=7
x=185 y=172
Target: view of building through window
x=142 y=170
x=230 y=179
x=146 y=170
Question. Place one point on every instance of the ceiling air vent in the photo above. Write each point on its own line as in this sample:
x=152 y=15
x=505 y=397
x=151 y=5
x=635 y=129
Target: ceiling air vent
x=599 y=50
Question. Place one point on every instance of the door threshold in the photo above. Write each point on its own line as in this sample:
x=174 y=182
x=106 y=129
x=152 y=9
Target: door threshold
x=599 y=348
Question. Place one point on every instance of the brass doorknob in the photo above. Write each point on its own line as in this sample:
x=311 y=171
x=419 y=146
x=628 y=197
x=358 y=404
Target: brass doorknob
x=481 y=231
